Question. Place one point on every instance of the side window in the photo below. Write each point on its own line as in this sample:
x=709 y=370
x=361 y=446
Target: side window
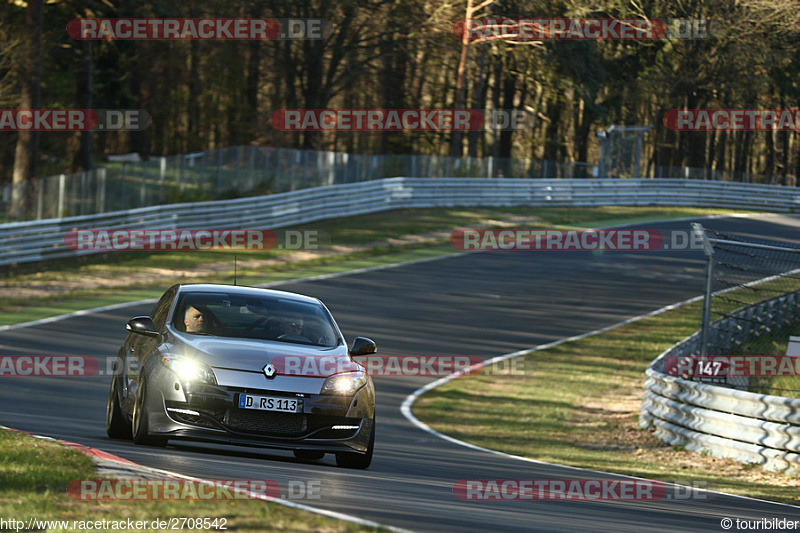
x=159 y=314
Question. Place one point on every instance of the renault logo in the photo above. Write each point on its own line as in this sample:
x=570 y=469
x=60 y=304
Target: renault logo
x=269 y=371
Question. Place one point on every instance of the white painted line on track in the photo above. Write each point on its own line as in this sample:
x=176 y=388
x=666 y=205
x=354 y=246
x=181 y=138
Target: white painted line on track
x=250 y=494
x=408 y=404
x=406 y=407
x=82 y=312
x=289 y=503
x=332 y=275
x=320 y=277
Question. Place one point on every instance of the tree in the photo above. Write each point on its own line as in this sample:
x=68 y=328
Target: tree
x=25 y=161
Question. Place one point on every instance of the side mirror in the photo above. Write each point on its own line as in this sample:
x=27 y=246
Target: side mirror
x=363 y=346
x=143 y=325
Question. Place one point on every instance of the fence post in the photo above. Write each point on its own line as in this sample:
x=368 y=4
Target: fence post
x=251 y=170
x=201 y=183
x=102 y=200
x=39 y=198
x=181 y=185
x=704 y=325
x=331 y=168
x=143 y=192
x=62 y=183
x=123 y=203
x=219 y=172
x=637 y=162
x=238 y=164
x=82 y=201
x=273 y=187
x=297 y=158
x=306 y=157
x=164 y=195
x=708 y=249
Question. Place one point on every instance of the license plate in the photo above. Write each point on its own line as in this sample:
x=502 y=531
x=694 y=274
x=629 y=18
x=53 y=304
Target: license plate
x=270 y=403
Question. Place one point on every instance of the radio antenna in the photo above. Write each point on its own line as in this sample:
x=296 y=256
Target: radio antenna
x=234 y=270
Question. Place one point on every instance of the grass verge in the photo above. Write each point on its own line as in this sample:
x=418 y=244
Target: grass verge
x=34 y=475
x=578 y=404
x=37 y=291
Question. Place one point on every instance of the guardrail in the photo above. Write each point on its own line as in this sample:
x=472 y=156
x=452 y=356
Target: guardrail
x=725 y=422
x=23 y=242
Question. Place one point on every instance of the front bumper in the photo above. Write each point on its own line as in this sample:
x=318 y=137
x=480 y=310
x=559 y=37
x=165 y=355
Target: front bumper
x=211 y=414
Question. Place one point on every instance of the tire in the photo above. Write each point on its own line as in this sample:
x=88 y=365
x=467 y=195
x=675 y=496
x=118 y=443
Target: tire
x=117 y=426
x=139 y=421
x=308 y=455
x=358 y=461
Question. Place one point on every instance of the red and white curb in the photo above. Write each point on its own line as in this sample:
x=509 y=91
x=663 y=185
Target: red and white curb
x=120 y=467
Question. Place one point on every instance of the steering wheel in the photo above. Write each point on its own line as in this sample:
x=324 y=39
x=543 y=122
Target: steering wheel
x=294 y=337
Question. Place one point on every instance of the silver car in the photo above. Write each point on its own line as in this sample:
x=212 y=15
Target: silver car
x=247 y=366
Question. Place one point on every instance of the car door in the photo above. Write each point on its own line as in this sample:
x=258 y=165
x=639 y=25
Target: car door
x=137 y=347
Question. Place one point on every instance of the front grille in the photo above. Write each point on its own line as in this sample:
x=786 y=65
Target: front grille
x=335 y=434
x=266 y=422
x=322 y=424
x=192 y=420
x=180 y=413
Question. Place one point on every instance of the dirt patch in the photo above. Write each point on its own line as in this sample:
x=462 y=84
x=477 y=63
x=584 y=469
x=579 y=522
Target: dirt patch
x=91 y=278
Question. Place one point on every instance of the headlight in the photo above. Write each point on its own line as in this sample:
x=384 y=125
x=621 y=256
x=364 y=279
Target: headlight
x=344 y=384
x=189 y=370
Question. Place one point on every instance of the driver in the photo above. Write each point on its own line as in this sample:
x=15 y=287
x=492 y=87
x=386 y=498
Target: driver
x=194 y=320
x=290 y=327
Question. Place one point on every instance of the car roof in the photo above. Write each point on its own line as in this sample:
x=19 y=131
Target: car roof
x=244 y=291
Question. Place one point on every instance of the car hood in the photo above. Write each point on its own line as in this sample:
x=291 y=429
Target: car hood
x=253 y=354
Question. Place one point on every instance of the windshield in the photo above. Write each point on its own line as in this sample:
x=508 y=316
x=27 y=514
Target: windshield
x=255 y=317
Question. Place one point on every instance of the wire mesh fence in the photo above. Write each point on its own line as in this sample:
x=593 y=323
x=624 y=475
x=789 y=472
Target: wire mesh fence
x=621 y=151
x=705 y=173
x=128 y=182
x=240 y=171
x=751 y=308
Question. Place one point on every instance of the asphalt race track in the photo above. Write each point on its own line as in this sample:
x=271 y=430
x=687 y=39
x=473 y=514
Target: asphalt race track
x=484 y=304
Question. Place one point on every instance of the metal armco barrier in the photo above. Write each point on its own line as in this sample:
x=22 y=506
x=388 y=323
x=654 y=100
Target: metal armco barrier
x=41 y=240
x=724 y=422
